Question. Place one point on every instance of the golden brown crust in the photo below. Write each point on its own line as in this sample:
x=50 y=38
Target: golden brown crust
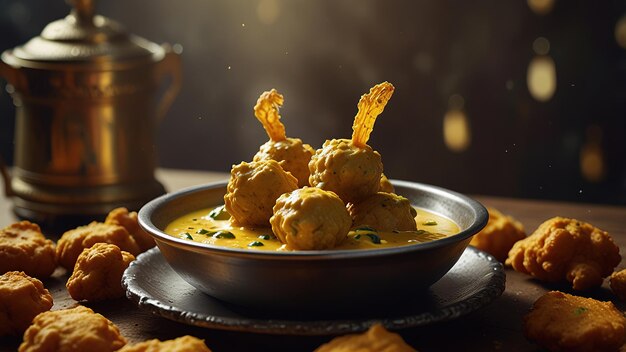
x=182 y=344
x=376 y=339
x=562 y=322
x=292 y=154
x=22 y=298
x=128 y=220
x=617 y=282
x=98 y=273
x=24 y=248
x=72 y=243
x=499 y=236
x=384 y=212
x=78 y=329
x=385 y=185
x=564 y=249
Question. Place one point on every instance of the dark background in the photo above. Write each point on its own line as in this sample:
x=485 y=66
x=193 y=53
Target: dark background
x=468 y=60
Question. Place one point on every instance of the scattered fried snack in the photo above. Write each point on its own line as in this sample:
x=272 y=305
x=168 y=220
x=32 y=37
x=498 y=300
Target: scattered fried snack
x=98 y=273
x=617 y=282
x=376 y=339
x=182 y=344
x=77 y=329
x=72 y=242
x=384 y=212
x=24 y=248
x=128 y=220
x=566 y=250
x=22 y=298
x=562 y=322
x=498 y=237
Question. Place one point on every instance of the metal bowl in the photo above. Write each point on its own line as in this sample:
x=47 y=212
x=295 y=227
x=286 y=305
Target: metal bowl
x=313 y=280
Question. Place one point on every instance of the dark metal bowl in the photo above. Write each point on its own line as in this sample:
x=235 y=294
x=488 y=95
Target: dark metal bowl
x=311 y=280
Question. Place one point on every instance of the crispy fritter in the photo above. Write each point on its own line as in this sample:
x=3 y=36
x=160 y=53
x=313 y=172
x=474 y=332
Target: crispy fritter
x=292 y=154
x=562 y=322
x=182 y=344
x=376 y=339
x=617 y=282
x=253 y=189
x=384 y=212
x=498 y=237
x=128 y=220
x=98 y=273
x=566 y=250
x=24 y=248
x=77 y=329
x=72 y=243
x=385 y=185
x=22 y=298
x=310 y=218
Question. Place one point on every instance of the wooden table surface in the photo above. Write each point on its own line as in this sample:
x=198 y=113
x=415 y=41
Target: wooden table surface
x=495 y=327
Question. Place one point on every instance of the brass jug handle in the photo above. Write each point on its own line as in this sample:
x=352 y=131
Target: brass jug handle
x=8 y=73
x=169 y=67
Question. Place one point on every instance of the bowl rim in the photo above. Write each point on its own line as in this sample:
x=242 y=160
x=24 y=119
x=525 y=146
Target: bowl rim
x=146 y=212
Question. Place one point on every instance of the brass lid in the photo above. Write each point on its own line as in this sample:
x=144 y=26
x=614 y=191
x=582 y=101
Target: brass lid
x=83 y=36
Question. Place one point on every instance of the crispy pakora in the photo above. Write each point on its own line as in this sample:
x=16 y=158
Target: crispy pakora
x=617 y=282
x=128 y=220
x=384 y=212
x=310 y=218
x=569 y=250
x=182 y=344
x=23 y=297
x=72 y=242
x=291 y=153
x=98 y=273
x=253 y=189
x=385 y=185
x=24 y=248
x=563 y=322
x=376 y=339
x=499 y=235
x=350 y=167
x=77 y=329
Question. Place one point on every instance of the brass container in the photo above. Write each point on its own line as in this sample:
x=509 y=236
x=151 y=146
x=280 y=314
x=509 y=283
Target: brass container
x=88 y=97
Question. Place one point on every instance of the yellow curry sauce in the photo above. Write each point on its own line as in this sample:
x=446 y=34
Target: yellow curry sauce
x=212 y=225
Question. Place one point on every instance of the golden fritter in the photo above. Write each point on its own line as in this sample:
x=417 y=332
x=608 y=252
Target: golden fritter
x=98 y=273
x=77 y=329
x=566 y=250
x=385 y=185
x=72 y=243
x=310 y=218
x=24 y=248
x=182 y=344
x=128 y=220
x=499 y=235
x=376 y=339
x=617 y=282
x=562 y=322
x=291 y=153
x=22 y=298
x=384 y=212
x=253 y=189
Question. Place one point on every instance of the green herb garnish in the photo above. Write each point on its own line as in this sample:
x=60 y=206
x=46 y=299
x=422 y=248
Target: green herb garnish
x=219 y=213
x=357 y=237
x=375 y=239
x=430 y=223
x=265 y=237
x=580 y=310
x=365 y=228
x=203 y=231
x=186 y=236
x=256 y=244
x=224 y=234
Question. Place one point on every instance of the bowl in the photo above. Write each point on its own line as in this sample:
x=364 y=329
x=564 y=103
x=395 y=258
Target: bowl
x=313 y=280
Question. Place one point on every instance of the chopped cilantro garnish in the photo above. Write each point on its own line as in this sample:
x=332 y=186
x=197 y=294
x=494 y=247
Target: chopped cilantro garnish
x=255 y=244
x=224 y=234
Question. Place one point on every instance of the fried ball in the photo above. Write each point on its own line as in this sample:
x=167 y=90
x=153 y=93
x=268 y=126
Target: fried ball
x=566 y=250
x=77 y=329
x=292 y=154
x=310 y=218
x=128 y=220
x=24 y=248
x=498 y=237
x=23 y=297
x=617 y=282
x=385 y=185
x=352 y=172
x=182 y=344
x=562 y=322
x=376 y=339
x=98 y=273
x=384 y=212
x=72 y=242
x=253 y=189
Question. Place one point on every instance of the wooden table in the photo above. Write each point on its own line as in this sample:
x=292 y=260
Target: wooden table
x=496 y=327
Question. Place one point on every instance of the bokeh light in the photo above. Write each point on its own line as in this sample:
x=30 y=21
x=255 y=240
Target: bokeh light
x=456 y=129
x=541 y=78
x=592 y=156
x=541 y=7
x=620 y=32
x=268 y=11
